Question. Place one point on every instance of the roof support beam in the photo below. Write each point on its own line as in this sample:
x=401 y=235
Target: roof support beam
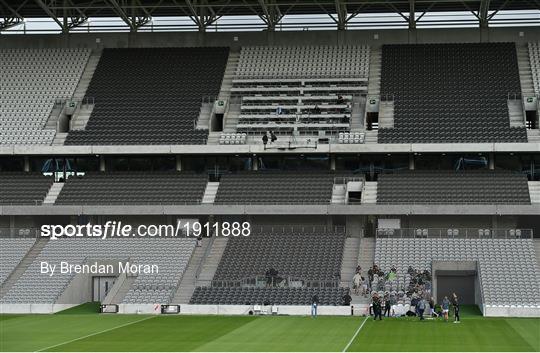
x=412 y=15
x=9 y=20
x=120 y=12
x=271 y=15
x=201 y=13
x=49 y=13
x=483 y=14
x=341 y=11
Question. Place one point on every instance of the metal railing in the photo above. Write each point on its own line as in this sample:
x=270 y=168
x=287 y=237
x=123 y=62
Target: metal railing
x=465 y=233
x=296 y=228
x=7 y=232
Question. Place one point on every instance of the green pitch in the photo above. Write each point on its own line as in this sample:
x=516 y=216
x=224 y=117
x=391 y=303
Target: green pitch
x=79 y=330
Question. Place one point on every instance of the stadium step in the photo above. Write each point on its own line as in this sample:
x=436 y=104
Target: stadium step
x=189 y=279
x=369 y=194
x=53 y=193
x=349 y=261
x=371 y=136
x=533 y=135
x=537 y=252
x=515 y=112
x=386 y=114
x=230 y=72
x=338 y=193
x=210 y=192
x=81 y=117
x=27 y=260
x=534 y=191
x=86 y=77
x=375 y=60
x=357 y=114
x=59 y=139
x=205 y=114
x=367 y=254
x=525 y=72
x=211 y=262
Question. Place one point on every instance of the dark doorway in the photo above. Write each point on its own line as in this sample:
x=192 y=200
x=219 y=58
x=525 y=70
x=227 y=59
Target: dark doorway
x=462 y=283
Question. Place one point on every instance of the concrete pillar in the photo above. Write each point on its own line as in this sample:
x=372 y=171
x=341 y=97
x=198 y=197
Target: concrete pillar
x=491 y=161
x=411 y=161
x=178 y=163
x=26 y=164
x=102 y=166
x=254 y=163
x=333 y=162
x=494 y=222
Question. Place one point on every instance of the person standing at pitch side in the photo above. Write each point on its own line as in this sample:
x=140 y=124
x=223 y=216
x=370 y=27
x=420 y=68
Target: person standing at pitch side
x=455 y=304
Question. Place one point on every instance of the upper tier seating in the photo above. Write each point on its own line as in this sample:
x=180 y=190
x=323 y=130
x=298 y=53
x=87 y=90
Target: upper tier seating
x=451 y=187
x=298 y=256
x=447 y=93
x=508 y=270
x=133 y=188
x=304 y=61
x=171 y=255
x=287 y=88
x=30 y=82
x=534 y=56
x=24 y=188
x=12 y=251
x=151 y=96
x=275 y=188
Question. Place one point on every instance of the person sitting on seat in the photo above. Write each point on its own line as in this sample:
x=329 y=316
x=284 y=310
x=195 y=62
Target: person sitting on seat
x=340 y=100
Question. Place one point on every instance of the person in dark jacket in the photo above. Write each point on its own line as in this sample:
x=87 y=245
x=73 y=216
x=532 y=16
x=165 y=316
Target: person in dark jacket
x=265 y=139
x=273 y=137
x=377 y=307
x=387 y=305
x=455 y=304
x=347 y=299
x=314 y=305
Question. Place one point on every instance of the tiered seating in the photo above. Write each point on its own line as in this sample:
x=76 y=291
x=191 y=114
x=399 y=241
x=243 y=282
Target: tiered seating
x=133 y=188
x=534 y=56
x=24 y=188
x=275 y=188
x=304 y=61
x=260 y=296
x=151 y=96
x=304 y=88
x=30 y=82
x=447 y=93
x=171 y=255
x=304 y=260
x=12 y=251
x=450 y=187
x=508 y=270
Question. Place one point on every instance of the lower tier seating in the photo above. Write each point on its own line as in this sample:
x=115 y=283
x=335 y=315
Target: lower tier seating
x=24 y=188
x=170 y=254
x=133 y=189
x=508 y=270
x=451 y=187
x=271 y=296
x=12 y=251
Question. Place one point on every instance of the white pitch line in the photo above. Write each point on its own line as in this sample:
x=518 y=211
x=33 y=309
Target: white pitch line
x=355 y=334
x=96 y=333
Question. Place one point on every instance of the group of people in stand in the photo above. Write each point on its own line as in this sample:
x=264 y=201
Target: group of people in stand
x=268 y=136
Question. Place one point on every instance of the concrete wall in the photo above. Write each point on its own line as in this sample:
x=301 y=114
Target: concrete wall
x=237 y=39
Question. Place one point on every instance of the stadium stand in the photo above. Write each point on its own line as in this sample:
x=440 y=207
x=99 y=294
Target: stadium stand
x=24 y=188
x=508 y=271
x=132 y=188
x=275 y=188
x=12 y=250
x=31 y=80
x=446 y=93
x=303 y=88
x=151 y=96
x=451 y=187
x=304 y=61
x=534 y=56
x=307 y=261
x=170 y=254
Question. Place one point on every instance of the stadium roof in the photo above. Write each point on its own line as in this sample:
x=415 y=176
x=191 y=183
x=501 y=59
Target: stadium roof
x=136 y=13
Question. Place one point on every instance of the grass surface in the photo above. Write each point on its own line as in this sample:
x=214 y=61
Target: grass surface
x=81 y=329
